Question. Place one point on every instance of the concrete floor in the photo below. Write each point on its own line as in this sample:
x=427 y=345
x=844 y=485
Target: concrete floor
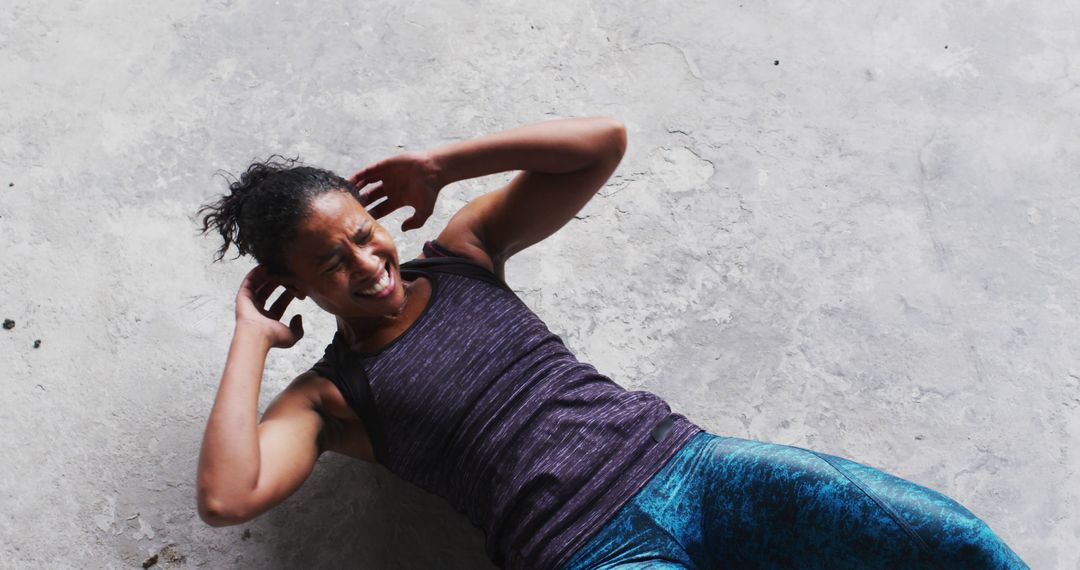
x=866 y=214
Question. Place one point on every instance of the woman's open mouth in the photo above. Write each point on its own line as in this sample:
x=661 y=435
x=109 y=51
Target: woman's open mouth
x=383 y=287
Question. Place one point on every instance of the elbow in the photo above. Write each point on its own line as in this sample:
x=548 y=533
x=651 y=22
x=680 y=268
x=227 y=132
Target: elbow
x=620 y=138
x=218 y=513
x=617 y=136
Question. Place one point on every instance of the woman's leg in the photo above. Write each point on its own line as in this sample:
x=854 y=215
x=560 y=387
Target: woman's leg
x=632 y=540
x=640 y=535
x=775 y=506
x=725 y=502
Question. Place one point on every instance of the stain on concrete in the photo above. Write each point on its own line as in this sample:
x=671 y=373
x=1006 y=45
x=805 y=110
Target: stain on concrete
x=169 y=557
x=172 y=557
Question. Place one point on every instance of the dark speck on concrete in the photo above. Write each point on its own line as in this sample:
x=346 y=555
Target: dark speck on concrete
x=37 y=343
x=776 y=62
x=946 y=47
x=246 y=535
x=169 y=555
x=11 y=185
x=9 y=324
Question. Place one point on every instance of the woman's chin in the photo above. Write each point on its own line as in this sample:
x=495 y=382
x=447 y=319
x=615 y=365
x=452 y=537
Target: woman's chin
x=368 y=306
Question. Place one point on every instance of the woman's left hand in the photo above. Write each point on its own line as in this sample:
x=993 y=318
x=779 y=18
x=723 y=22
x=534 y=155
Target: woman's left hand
x=408 y=179
x=251 y=310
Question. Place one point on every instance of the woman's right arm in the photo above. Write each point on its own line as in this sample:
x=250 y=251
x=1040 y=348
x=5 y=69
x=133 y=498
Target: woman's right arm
x=246 y=466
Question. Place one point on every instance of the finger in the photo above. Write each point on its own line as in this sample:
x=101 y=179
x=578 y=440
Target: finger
x=245 y=289
x=251 y=278
x=360 y=174
x=263 y=293
x=364 y=177
x=296 y=325
x=369 y=173
x=278 y=308
x=383 y=209
x=412 y=223
x=418 y=219
x=253 y=282
x=371 y=194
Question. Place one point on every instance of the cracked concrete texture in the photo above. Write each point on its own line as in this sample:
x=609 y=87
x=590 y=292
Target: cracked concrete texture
x=869 y=249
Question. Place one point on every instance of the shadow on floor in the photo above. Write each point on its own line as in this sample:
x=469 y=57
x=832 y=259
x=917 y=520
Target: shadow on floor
x=357 y=515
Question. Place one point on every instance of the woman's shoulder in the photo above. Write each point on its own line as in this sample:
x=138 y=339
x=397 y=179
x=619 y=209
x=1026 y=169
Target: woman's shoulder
x=318 y=387
x=344 y=431
x=436 y=249
x=458 y=259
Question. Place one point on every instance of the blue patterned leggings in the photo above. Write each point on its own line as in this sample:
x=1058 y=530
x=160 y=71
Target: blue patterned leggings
x=725 y=502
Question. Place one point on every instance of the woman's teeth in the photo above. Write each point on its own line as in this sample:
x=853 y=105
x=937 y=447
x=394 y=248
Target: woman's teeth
x=383 y=283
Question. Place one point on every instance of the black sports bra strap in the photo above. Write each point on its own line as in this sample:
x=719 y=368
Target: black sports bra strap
x=453 y=264
x=339 y=367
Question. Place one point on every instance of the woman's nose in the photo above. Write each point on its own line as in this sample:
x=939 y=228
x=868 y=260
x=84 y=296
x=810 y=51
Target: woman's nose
x=368 y=265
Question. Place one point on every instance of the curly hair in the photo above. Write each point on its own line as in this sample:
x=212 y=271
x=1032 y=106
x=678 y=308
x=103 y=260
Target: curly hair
x=264 y=206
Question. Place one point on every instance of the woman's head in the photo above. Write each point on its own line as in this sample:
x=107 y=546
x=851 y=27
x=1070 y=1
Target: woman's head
x=308 y=226
x=264 y=206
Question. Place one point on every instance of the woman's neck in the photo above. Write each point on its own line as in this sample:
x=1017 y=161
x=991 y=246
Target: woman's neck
x=363 y=331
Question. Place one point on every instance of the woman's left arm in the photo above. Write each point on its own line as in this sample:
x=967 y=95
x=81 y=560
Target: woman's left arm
x=564 y=163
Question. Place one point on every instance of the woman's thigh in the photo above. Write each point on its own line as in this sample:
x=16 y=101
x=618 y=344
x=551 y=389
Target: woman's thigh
x=771 y=505
x=649 y=531
x=726 y=502
x=632 y=539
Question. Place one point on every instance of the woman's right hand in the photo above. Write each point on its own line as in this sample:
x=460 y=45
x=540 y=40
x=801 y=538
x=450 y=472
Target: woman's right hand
x=251 y=311
x=407 y=179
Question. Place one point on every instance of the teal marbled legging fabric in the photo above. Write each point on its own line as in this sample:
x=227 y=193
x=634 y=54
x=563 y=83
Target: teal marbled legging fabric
x=725 y=502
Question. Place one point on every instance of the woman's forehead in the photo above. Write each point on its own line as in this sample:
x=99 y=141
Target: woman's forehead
x=335 y=203
x=326 y=223
x=333 y=212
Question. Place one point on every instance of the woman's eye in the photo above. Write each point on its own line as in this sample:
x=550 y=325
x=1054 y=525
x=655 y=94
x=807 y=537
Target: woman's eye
x=334 y=267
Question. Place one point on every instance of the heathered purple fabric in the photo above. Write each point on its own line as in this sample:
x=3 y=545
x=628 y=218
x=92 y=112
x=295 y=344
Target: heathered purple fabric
x=479 y=403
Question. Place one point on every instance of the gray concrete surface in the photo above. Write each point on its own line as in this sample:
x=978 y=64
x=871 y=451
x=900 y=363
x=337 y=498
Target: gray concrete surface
x=845 y=226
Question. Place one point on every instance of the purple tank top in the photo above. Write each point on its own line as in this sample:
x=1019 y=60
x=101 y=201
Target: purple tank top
x=479 y=403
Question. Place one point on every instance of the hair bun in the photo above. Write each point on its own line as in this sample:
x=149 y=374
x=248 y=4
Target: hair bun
x=264 y=205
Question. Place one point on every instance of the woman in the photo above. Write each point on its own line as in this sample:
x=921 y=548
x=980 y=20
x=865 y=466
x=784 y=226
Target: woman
x=441 y=373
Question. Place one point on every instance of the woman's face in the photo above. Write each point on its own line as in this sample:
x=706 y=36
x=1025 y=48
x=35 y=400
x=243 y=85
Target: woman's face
x=338 y=257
